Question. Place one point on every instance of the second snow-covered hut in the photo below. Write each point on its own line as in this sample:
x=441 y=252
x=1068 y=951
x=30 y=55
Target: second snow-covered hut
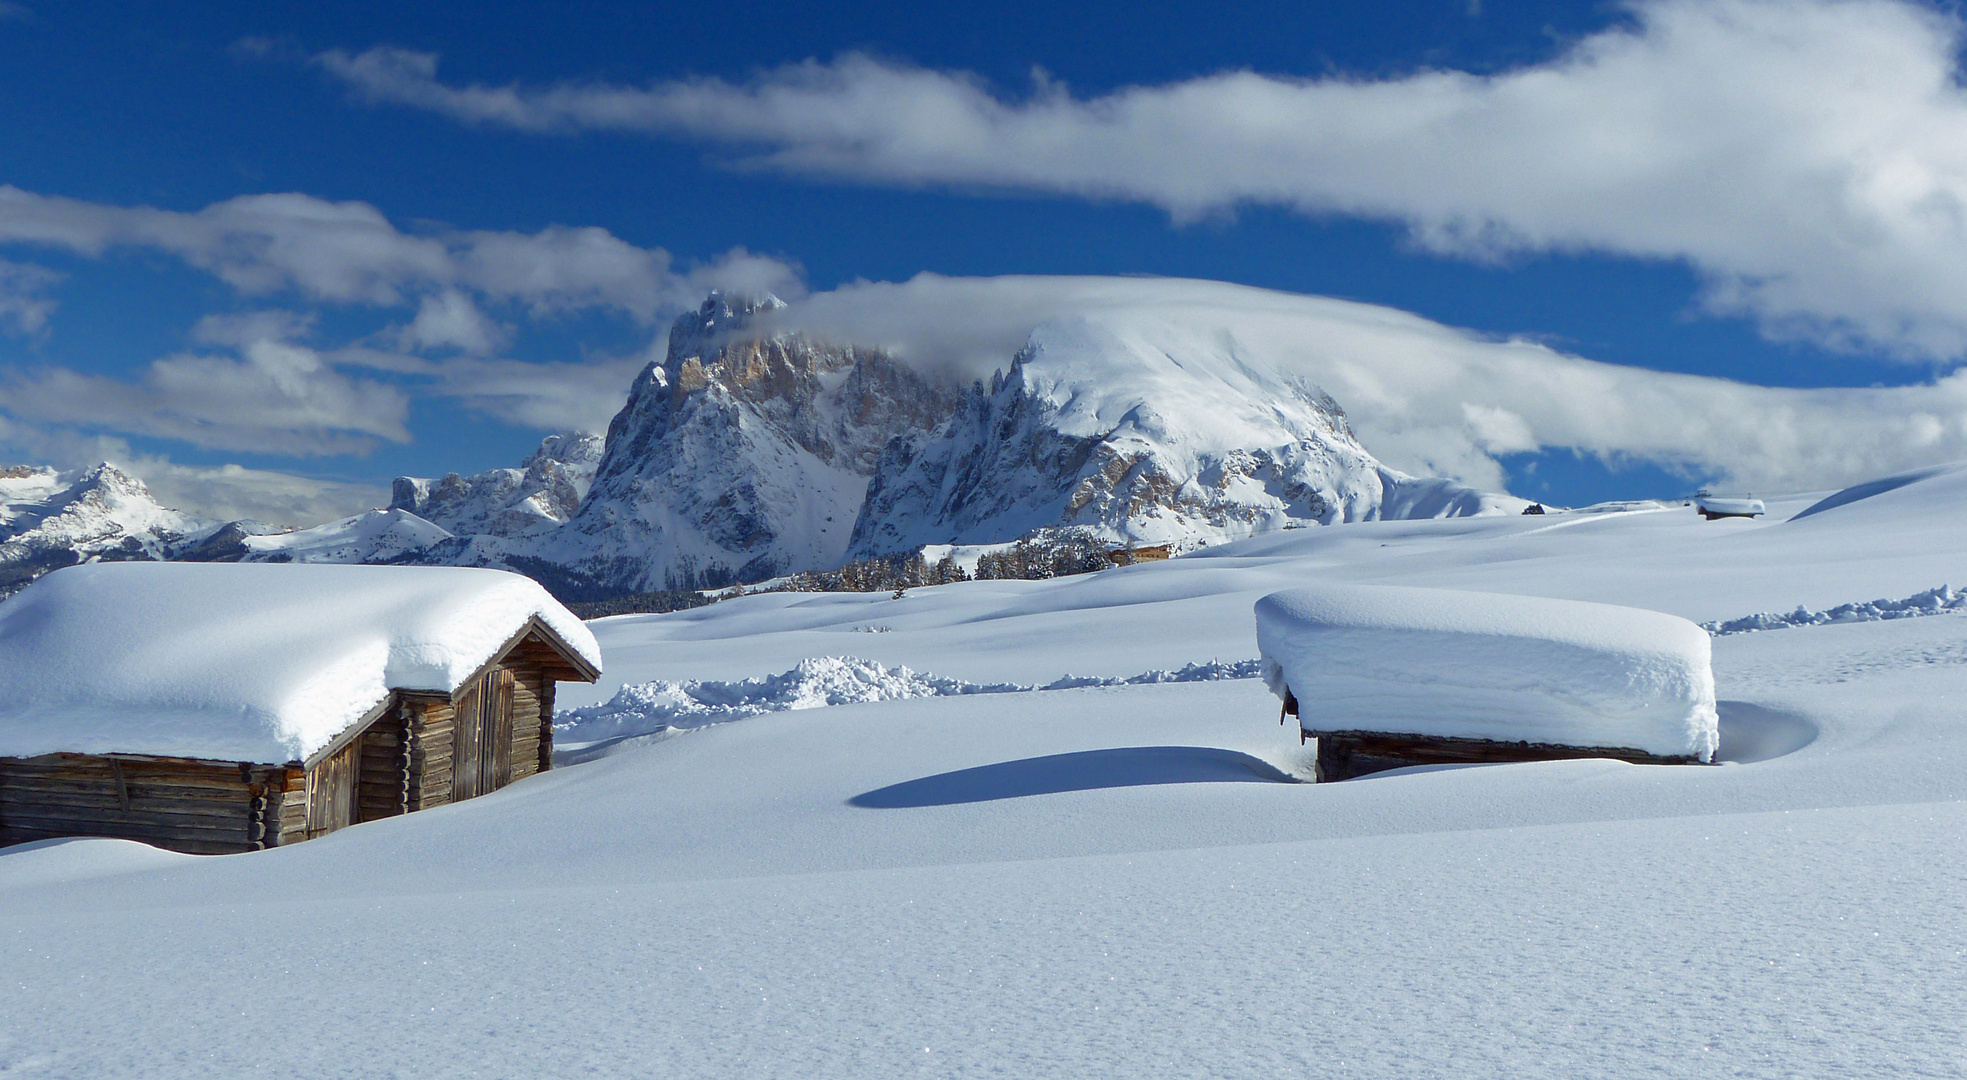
x=223 y=707
x=1385 y=676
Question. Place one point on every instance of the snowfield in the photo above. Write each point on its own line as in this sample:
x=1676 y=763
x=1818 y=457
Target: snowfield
x=1112 y=880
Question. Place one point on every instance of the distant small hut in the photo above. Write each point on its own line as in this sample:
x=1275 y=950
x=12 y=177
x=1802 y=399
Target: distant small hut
x=219 y=707
x=1711 y=506
x=1145 y=553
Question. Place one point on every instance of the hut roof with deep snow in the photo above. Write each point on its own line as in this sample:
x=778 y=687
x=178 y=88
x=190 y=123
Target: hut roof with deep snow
x=247 y=662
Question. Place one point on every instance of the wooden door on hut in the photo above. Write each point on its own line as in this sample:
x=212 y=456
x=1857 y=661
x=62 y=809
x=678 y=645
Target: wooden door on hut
x=331 y=790
x=482 y=758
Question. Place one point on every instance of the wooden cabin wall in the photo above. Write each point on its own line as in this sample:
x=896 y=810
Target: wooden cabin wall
x=510 y=716
x=332 y=786
x=182 y=804
x=481 y=739
x=406 y=760
x=382 y=790
x=532 y=726
x=431 y=723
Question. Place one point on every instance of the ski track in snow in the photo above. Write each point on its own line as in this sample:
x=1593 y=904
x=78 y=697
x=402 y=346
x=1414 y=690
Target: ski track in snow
x=648 y=708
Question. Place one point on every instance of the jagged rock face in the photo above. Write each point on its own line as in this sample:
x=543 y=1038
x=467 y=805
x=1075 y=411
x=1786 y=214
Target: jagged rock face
x=1140 y=436
x=49 y=520
x=738 y=458
x=544 y=492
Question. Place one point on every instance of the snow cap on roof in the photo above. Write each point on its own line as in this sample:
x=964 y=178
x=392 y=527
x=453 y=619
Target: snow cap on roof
x=245 y=662
x=1455 y=664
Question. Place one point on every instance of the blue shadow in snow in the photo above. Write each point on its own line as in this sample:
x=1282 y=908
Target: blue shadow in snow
x=1087 y=770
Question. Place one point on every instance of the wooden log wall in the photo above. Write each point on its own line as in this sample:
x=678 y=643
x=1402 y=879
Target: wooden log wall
x=1343 y=755
x=430 y=751
x=183 y=804
x=402 y=762
x=380 y=791
x=527 y=729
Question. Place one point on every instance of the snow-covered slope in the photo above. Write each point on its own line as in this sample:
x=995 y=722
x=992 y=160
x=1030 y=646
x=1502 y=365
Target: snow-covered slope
x=542 y=493
x=375 y=536
x=50 y=519
x=1109 y=881
x=739 y=458
x=1148 y=429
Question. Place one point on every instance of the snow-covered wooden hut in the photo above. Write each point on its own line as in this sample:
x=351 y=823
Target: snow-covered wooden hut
x=223 y=707
x=1711 y=507
x=1388 y=676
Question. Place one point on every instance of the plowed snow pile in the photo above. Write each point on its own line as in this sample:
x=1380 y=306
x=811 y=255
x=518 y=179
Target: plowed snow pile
x=647 y=708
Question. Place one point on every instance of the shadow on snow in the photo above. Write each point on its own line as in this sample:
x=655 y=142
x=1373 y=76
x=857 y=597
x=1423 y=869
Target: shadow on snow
x=1086 y=770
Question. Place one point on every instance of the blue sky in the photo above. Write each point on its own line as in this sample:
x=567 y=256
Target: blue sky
x=176 y=340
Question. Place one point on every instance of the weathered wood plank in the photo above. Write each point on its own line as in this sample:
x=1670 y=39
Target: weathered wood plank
x=1344 y=755
x=12 y=803
x=135 y=829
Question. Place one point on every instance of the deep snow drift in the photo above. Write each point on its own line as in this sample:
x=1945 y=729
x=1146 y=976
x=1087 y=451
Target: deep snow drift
x=243 y=662
x=1099 y=881
x=1459 y=664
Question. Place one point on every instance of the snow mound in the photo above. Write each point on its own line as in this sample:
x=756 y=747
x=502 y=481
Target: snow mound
x=1486 y=666
x=1935 y=601
x=1872 y=488
x=245 y=662
x=651 y=707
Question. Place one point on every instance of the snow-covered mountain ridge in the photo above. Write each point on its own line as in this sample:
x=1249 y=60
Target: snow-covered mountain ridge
x=50 y=519
x=750 y=451
x=1143 y=430
x=543 y=492
x=739 y=457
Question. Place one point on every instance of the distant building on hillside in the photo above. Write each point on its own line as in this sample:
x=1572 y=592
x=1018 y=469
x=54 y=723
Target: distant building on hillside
x=1712 y=506
x=214 y=708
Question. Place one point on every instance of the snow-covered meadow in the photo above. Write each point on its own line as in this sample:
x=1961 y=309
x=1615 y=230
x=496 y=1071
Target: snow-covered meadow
x=1109 y=880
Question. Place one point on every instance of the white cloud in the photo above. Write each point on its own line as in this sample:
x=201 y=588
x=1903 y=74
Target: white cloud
x=21 y=304
x=232 y=492
x=272 y=397
x=554 y=397
x=1432 y=399
x=235 y=329
x=450 y=320
x=349 y=252
x=1808 y=157
x=265 y=392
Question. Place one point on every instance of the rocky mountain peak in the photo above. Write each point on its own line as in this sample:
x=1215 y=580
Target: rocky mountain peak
x=50 y=519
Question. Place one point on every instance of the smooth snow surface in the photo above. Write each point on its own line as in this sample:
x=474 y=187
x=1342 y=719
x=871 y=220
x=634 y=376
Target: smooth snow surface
x=1474 y=665
x=244 y=662
x=1110 y=881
